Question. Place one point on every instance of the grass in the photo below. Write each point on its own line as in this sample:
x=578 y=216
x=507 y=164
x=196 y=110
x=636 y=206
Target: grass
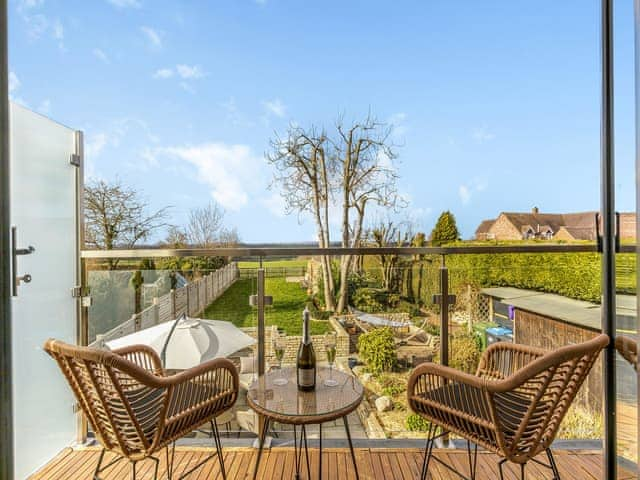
x=293 y=262
x=288 y=303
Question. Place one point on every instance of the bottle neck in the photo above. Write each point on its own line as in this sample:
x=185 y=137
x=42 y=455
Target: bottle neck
x=306 y=336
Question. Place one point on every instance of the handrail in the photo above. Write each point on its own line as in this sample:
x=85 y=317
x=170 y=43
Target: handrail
x=249 y=251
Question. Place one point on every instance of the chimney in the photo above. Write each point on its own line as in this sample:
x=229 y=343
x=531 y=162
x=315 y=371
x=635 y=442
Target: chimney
x=534 y=210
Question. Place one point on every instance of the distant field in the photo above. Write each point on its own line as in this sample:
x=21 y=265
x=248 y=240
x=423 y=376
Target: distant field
x=288 y=303
x=294 y=262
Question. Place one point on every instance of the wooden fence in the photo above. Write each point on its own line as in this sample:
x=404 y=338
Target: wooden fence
x=192 y=299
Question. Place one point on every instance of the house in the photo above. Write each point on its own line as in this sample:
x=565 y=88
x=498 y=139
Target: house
x=549 y=226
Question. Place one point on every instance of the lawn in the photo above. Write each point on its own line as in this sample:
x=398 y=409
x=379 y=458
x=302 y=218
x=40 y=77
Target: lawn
x=292 y=262
x=288 y=303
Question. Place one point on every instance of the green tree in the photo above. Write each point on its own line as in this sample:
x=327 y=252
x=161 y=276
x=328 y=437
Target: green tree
x=445 y=230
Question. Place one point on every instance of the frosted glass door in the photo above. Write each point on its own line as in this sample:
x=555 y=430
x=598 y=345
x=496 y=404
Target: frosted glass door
x=43 y=210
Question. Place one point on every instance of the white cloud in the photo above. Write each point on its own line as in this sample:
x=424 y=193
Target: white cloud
x=482 y=135
x=231 y=171
x=397 y=124
x=234 y=115
x=153 y=36
x=465 y=194
x=125 y=3
x=45 y=107
x=275 y=204
x=57 y=32
x=163 y=73
x=28 y=4
x=187 y=87
x=95 y=144
x=14 y=82
x=37 y=25
x=275 y=107
x=467 y=190
x=100 y=55
x=189 y=72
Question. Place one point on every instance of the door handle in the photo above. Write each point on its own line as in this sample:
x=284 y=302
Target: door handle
x=15 y=251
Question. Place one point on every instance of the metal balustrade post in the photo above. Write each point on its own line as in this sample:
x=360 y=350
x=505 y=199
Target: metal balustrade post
x=444 y=313
x=261 y=328
x=607 y=191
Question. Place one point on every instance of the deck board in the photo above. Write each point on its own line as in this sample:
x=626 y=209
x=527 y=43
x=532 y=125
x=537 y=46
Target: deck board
x=278 y=464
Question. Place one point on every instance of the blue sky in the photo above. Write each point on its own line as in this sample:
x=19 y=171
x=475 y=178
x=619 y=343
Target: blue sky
x=496 y=104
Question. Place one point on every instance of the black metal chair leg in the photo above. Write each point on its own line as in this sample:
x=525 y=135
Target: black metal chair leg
x=170 y=463
x=500 y=464
x=306 y=451
x=320 y=453
x=263 y=434
x=472 y=460
x=97 y=470
x=427 y=452
x=353 y=455
x=155 y=470
x=216 y=435
x=522 y=471
x=552 y=463
x=133 y=470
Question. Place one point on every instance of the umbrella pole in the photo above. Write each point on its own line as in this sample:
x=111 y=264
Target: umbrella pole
x=163 y=354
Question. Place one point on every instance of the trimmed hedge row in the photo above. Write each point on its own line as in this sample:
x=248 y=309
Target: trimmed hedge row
x=574 y=275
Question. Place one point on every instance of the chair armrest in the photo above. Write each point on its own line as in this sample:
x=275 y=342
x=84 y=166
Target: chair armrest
x=429 y=376
x=628 y=348
x=202 y=391
x=503 y=359
x=143 y=356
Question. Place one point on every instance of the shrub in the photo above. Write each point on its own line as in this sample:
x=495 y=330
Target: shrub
x=464 y=352
x=316 y=313
x=580 y=423
x=432 y=329
x=370 y=300
x=377 y=350
x=415 y=423
x=391 y=386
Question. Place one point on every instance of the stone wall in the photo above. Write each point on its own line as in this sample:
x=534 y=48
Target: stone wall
x=293 y=343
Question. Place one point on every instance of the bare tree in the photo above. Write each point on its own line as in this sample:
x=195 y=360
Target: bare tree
x=117 y=216
x=228 y=237
x=304 y=170
x=367 y=177
x=351 y=170
x=203 y=227
x=387 y=233
x=176 y=237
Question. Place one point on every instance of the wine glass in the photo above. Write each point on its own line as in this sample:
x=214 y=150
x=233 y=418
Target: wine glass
x=279 y=348
x=330 y=340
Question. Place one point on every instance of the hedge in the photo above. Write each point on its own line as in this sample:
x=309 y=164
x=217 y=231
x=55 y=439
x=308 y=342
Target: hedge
x=574 y=275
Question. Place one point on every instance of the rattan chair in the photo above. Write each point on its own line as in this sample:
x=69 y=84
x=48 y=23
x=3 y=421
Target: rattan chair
x=135 y=410
x=628 y=348
x=512 y=406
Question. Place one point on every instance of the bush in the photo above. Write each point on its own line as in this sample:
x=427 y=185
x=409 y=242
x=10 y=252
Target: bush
x=377 y=350
x=415 y=423
x=316 y=313
x=580 y=423
x=391 y=386
x=464 y=353
x=370 y=300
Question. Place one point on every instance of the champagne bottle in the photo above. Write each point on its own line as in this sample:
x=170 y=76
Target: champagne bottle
x=306 y=360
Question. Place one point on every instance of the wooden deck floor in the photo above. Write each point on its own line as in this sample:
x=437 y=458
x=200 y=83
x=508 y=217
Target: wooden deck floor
x=278 y=464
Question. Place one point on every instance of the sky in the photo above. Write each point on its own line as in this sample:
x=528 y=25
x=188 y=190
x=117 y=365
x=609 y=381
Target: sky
x=495 y=105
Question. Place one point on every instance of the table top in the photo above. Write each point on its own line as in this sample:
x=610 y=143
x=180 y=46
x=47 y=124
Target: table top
x=286 y=404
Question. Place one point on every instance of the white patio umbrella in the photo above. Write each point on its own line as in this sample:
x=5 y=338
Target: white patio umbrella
x=191 y=342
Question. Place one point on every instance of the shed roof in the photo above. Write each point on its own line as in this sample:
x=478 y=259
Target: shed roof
x=576 y=312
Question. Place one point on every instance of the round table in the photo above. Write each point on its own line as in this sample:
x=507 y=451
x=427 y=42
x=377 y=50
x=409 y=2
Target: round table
x=286 y=404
